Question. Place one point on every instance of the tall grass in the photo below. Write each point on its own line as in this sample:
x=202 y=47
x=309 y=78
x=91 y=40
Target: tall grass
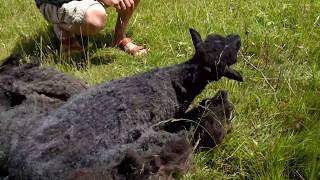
x=276 y=125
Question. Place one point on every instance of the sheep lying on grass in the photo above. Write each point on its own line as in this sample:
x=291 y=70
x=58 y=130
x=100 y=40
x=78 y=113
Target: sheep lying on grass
x=18 y=81
x=97 y=128
x=211 y=120
x=28 y=92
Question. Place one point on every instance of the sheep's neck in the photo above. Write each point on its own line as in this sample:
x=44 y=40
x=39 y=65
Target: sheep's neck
x=189 y=80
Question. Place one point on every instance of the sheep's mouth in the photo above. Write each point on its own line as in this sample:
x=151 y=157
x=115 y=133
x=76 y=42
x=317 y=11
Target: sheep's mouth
x=232 y=74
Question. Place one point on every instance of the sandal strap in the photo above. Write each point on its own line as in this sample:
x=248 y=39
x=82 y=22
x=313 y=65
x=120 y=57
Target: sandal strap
x=71 y=46
x=135 y=49
x=69 y=40
x=124 y=42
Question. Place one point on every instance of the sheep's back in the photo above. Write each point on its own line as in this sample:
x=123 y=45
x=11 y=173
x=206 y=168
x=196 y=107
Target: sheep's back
x=92 y=123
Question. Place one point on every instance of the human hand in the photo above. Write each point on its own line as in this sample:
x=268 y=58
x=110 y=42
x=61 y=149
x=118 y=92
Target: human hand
x=119 y=4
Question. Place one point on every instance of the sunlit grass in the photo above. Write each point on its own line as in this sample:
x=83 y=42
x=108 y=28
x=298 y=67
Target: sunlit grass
x=279 y=59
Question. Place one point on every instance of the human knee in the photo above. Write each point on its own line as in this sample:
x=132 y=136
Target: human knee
x=95 y=18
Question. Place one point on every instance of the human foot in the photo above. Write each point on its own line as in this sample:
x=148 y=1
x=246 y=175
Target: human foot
x=128 y=46
x=68 y=41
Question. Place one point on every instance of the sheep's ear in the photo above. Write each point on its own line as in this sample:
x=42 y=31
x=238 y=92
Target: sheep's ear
x=236 y=44
x=196 y=38
x=232 y=74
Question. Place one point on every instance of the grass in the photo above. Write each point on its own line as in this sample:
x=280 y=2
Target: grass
x=276 y=125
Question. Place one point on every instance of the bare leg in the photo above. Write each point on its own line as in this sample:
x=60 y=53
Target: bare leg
x=93 y=23
x=119 y=38
x=122 y=23
x=66 y=22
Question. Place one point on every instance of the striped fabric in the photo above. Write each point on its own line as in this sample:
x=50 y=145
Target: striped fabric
x=72 y=12
x=69 y=13
x=51 y=13
x=53 y=2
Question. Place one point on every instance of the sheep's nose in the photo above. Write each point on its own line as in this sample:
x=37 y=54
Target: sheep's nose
x=237 y=41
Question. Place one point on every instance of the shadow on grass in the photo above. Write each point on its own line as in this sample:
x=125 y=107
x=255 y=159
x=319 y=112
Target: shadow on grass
x=45 y=44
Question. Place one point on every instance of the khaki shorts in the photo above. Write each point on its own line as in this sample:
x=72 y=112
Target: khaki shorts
x=72 y=12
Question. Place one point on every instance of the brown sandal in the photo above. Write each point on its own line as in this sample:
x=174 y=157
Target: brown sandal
x=71 y=46
x=68 y=41
x=128 y=46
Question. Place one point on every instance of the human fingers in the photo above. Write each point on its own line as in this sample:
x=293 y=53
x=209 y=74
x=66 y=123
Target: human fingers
x=122 y=5
x=132 y=3
x=118 y=7
x=111 y=3
x=127 y=3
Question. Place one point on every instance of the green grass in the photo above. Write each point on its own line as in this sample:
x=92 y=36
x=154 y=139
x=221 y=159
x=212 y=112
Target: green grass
x=279 y=59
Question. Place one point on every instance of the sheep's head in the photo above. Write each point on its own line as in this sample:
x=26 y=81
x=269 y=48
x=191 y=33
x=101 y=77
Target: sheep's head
x=215 y=119
x=216 y=54
x=166 y=162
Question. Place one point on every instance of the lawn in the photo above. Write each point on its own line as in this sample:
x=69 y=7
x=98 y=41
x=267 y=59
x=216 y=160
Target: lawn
x=276 y=127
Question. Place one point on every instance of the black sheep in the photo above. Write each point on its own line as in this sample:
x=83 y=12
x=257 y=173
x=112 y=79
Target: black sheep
x=209 y=122
x=97 y=127
x=207 y=125
x=27 y=92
